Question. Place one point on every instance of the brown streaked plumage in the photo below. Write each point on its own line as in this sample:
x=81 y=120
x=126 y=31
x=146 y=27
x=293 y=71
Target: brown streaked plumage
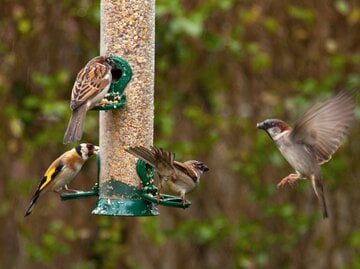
x=91 y=85
x=62 y=171
x=316 y=136
x=177 y=177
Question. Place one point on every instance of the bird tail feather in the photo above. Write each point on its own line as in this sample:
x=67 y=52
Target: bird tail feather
x=319 y=191
x=75 y=127
x=32 y=203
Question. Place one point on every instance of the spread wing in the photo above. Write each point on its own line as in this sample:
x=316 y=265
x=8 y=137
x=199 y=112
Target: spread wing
x=90 y=81
x=324 y=126
x=162 y=160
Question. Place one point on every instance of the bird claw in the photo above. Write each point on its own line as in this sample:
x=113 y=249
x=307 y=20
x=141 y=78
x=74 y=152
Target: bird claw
x=290 y=179
x=158 y=196
x=70 y=191
x=104 y=102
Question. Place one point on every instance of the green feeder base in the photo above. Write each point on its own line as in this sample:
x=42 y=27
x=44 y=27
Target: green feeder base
x=124 y=207
x=120 y=199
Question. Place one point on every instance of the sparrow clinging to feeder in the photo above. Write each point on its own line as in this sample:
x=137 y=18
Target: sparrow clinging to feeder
x=177 y=177
x=91 y=85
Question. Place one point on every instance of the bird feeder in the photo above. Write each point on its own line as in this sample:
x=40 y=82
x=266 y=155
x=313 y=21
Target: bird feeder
x=125 y=187
x=127 y=30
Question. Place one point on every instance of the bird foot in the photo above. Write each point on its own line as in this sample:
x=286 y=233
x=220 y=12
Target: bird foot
x=183 y=200
x=70 y=191
x=158 y=196
x=66 y=190
x=290 y=179
x=104 y=102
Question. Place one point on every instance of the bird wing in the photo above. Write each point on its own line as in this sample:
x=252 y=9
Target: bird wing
x=90 y=81
x=162 y=160
x=186 y=170
x=165 y=162
x=50 y=175
x=143 y=153
x=324 y=126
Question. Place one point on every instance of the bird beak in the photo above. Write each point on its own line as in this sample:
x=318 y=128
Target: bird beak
x=260 y=125
x=96 y=149
x=112 y=62
x=204 y=168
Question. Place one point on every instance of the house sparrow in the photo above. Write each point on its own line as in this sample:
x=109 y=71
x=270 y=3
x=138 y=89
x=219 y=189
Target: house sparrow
x=91 y=85
x=315 y=137
x=180 y=178
x=62 y=171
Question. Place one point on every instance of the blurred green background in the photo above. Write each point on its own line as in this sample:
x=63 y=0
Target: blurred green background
x=221 y=67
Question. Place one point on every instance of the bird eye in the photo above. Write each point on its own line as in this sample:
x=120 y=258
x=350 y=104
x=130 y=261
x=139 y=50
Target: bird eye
x=90 y=146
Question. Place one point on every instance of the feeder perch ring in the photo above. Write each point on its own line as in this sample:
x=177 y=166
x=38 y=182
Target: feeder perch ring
x=115 y=98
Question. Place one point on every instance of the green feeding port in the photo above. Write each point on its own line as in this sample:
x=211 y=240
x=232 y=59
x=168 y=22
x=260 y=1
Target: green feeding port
x=121 y=76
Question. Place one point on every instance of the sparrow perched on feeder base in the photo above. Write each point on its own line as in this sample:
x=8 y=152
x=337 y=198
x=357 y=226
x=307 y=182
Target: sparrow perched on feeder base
x=177 y=177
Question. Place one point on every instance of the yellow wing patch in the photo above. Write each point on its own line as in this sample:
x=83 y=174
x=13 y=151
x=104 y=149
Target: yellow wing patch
x=50 y=175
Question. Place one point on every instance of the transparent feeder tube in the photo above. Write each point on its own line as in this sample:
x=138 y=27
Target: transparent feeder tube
x=127 y=31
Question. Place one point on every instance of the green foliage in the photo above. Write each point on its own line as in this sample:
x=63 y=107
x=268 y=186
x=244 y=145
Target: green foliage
x=304 y=14
x=55 y=241
x=109 y=244
x=208 y=232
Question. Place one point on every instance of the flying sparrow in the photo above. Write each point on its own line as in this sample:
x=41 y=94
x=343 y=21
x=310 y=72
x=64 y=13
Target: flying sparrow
x=177 y=177
x=91 y=85
x=316 y=136
x=62 y=171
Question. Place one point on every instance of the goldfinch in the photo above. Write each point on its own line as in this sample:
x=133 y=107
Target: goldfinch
x=91 y=85
x=177 y=177
x=62 y=171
